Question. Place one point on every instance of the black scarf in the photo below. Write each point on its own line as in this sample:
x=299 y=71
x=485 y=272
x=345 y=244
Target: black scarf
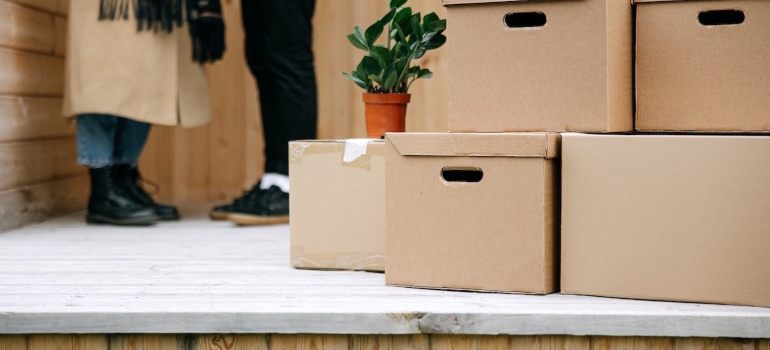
x=204 y=18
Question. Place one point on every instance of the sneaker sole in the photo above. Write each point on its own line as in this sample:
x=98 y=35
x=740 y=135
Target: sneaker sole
x=99 y=219
x=256 y=220
x=219 y=215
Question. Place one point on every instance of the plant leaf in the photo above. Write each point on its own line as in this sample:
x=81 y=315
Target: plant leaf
x=390 y=82
x=397 y=3
x=424 y=73
x=370 y=66
x=383 y=55
x=427 y=37
x=416 y=28
x=388 y=17
x=436 y=26
x=354 y=40
x=401 y=35
x=360 y=35
x=402 y=19
x=375 y=79
x=437 y=41
x=429 y=18
x=373 y=33
x=419 y=51
x=358 y=82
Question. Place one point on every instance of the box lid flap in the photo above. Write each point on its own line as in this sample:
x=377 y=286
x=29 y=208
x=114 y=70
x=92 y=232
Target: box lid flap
x=533 y=145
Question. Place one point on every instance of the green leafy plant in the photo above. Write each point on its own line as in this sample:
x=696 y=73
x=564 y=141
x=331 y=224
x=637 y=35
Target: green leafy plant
x=388 y=68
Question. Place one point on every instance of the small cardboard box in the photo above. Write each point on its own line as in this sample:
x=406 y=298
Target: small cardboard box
x=472 y=211
x=337 y=204
x=703 y=65
x=680 y=218
x=540 y=65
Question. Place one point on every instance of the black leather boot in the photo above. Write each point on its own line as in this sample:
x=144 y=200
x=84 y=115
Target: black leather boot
x=109 y=204
x=128 y=178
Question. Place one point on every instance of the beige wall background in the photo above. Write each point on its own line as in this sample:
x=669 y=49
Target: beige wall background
x=216 y=162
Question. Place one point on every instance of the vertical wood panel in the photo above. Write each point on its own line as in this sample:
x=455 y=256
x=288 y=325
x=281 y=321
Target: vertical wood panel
x=50 y=342
x=145 y=342
x=550 y=342
x=735 y=344
x=90 y=342
x=469 y=342
x=13 y=342
x=632 y=343
x=308 y=342
x=230 y=342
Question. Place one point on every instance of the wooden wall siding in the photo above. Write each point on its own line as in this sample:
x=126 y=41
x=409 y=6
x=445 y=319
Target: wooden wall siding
x=366 y=342
x=216 y=162
x=38 y=175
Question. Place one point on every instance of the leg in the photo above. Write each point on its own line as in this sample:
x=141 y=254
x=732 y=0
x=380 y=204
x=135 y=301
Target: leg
x=279 y=54
x=131 y=137
x=108 y=203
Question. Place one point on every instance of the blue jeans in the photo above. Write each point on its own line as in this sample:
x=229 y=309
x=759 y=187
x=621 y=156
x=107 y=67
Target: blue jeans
x=106 y=140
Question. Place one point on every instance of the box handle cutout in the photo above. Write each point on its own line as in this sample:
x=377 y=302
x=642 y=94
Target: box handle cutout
x=524 y=20
x=721 y=17
x=461 y=174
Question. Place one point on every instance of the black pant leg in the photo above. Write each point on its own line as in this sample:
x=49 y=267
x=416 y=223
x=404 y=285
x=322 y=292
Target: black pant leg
x=279 y=54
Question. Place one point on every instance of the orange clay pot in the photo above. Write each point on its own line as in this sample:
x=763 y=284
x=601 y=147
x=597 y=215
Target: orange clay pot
x=385 y=113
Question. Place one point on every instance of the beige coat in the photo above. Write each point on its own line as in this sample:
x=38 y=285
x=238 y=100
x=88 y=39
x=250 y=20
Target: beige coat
x=146 y=76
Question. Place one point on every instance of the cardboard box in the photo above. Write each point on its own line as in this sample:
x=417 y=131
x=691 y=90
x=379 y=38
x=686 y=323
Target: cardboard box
x=573 y=73
x=681 y=218
x=472 y=211
x=696 y=72
x=337 y=204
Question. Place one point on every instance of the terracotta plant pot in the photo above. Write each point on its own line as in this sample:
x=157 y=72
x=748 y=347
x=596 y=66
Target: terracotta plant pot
x=385 y=113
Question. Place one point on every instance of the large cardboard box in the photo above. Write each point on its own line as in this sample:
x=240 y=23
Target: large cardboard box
x=337 y=204
x=681 y=218
x=569 y=68
x=703 y=65
x=472 y=211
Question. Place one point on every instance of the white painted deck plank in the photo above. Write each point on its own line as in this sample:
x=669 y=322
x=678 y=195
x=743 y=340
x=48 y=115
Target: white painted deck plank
x=198 y=276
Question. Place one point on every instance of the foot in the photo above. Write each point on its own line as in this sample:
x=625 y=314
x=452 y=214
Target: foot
x=128 y=177
x=261 y=207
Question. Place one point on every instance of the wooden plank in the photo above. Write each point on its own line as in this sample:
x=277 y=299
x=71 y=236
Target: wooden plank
x=145 y=342
x=156 y=163
x=60 y=40
x=191 y=165
x=28 y=163
x=13 y=342
x=763 y=344
x=30 y=74
x=308 y=342
x=539 y=342
x=230 y=94
x=470 y=342
x=695 y=343
x=632 y=343
x=27 y=205
x=736 y=344
x=26 y=29
x=50 y=342
x=90 y=342
x=31 y=118
x=389 y=342
x=50 y=6
x=231 y=342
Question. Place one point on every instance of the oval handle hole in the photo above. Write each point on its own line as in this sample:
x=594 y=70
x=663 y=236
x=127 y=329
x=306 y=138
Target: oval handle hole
x=524 y=19
x=461 y=174
x=721 y=17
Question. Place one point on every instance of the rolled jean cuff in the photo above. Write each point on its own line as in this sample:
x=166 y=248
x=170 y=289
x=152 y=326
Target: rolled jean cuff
x=95 y=163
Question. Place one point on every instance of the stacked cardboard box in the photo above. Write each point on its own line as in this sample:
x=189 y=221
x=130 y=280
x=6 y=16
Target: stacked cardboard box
x=684 y=216
x=477 y=208
x=337 y=204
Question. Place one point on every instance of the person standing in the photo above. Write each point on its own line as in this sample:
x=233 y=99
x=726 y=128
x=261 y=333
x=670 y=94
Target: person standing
x=279 y=52
x=131 y=64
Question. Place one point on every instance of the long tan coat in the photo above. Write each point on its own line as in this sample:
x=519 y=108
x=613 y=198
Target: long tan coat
x=146 y=76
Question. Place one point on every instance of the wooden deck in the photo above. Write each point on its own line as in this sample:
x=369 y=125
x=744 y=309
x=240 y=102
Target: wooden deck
x=202 y=277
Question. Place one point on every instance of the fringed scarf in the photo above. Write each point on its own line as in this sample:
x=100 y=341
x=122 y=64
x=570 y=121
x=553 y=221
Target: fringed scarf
x=204 y=18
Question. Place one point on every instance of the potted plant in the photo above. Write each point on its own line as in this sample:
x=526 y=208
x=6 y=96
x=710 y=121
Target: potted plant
x=387 y=71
